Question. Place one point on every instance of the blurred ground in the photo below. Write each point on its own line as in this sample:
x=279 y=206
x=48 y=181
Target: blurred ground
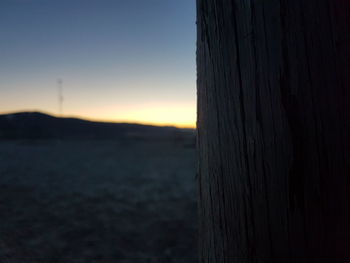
x=97 y=201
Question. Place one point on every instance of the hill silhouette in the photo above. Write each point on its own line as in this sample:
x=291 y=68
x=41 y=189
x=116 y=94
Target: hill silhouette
x=37 y=125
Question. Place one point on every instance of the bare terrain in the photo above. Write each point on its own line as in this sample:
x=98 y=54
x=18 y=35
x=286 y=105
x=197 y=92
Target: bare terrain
x=103 y=201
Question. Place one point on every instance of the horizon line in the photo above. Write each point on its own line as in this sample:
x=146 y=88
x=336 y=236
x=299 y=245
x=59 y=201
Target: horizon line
x=121 y=121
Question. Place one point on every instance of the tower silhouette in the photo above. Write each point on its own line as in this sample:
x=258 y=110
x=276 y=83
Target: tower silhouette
x=60 y=96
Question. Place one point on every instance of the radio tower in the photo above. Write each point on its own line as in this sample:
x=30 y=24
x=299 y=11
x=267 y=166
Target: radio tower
x=60 y=96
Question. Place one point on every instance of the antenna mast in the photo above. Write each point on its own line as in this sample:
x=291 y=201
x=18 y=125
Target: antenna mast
x=60 y=96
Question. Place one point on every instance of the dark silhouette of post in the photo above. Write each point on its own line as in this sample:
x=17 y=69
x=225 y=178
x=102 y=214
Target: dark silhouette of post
x=273 y=130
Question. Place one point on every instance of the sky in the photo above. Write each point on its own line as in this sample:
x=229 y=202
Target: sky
x=119 y=60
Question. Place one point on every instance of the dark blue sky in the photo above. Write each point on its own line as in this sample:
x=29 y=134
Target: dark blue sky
x=128 y=60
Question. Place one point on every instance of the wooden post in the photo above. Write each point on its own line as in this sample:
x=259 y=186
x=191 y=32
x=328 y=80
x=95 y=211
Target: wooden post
x=274 y=130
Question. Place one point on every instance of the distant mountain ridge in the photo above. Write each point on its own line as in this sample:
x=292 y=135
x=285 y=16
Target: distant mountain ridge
x=37 y=125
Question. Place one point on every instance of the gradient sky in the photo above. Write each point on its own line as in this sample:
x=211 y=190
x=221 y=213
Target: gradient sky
x=120 y=60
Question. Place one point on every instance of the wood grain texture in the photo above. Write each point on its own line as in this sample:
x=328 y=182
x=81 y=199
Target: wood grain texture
x=273 y=81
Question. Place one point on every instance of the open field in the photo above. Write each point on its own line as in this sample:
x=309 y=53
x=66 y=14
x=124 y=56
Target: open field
x=97 y=201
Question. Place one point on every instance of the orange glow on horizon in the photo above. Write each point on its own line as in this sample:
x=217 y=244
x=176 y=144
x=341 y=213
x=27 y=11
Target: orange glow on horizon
x=181 y=116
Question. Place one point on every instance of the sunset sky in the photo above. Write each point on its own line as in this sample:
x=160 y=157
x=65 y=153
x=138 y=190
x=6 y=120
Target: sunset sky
x=120 y=60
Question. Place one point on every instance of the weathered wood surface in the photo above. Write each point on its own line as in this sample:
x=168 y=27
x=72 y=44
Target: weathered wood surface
x=273 y=130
